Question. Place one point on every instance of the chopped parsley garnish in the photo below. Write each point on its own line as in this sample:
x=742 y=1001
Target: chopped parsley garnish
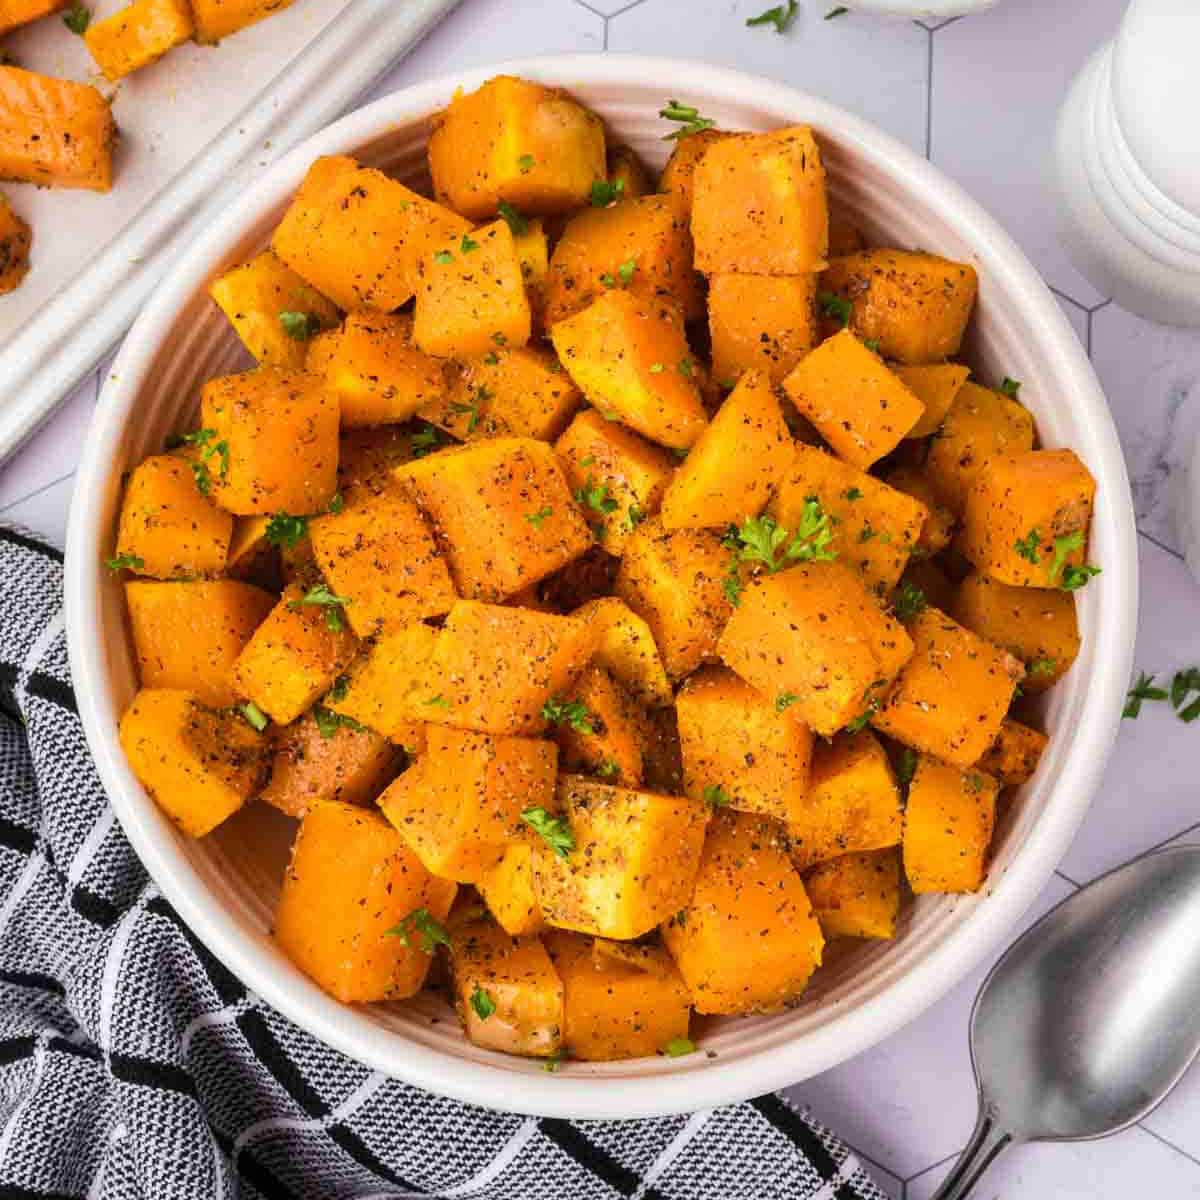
x=731 y=585
x=1073 y=578
x=1009 y=387
x=254 y=715
x=852 y=494
x=77 y=18
x=596 y=496
x=1042 y=666
x=1029 y=546
x=626 y=269
x=863 y=718
x=910 y=601
x=553 y=1061
x=836 y=307
x=443 y=257
x=285 y=530
x=491 y=358
x=321 y=597
x=300 y=326
x=517 y=223
x=337 y=503
x=634 y=516
x=536 y=518
x=526 y=163
x=677 y=1047
x=468 y=244
x=202 y=439
x=689 y=119
x=685 y=367
x=608 y=769
x=716 y=796
x=1183 y=684
x=785 y=700
x=554 y=831
x=574 y=712
x=202 y=477
x=438 y=701
x=657 y=368
x=482 y=1003
x=125 y=562
x=781 y=16
x=471 y=409
x=341 y=685
x=840 y=11
x=329 y=722
x=760 y=540
x=424 y=925
x=499 y=339
x=605 y=192
x=1141 y=691
x=872 y=344
x=906 y=766
x=426 y=441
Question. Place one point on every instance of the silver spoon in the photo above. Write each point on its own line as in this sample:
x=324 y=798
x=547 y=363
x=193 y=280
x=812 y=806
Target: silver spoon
x=1091 y=1017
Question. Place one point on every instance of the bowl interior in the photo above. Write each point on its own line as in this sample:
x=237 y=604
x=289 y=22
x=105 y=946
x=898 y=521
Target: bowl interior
x=226 y=884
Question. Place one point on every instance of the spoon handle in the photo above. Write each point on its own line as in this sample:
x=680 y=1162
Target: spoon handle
x=986 y=1143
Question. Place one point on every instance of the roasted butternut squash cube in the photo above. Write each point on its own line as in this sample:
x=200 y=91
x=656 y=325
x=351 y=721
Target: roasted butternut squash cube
x=507 y=890
x=167 y=528
x=504 y=513
x=471 y=297
x=763 y=322
x=852 y=802
x=936 y=385
x=948 y=824
x=980 y=425
x=350 y=866
x=497 y=667
x=199 y=764
x=1027 y=516
x=391 y=687
x=728 y=474
x=518 y=141
x=378 y=376
x=674 y=581
x=633 y=862
x=857 y=895
x=508 y=995
x=627 y=173
x=740 y=747
x=845 y=235
x=607 y=462
x=378 y=552
x=367 y=456
x=915 y=305
x=217 y=19
x=54 y=132
x=280 y=433
x=873 y=527
x=188 y=635
x=1037 y=625
x=814 y=632
x=678 y=176
x=610 y=739
x=625 y=647
x=15 y=13
x=853 y=401
x=360 y=237
x=460 y=806
x=747 y=941
x=16 y=238
x=938 y=527
x=928 y=577
x=618 y=1006
x=630 y=358
x=295 y=655
x=759 y=205
x=952 y=693
x=642 y=246
x=137 y=35
x=533 y=252
x=319 y=758
x=1014 y=756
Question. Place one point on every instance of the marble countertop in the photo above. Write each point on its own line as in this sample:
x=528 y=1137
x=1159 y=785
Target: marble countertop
x=978 y=95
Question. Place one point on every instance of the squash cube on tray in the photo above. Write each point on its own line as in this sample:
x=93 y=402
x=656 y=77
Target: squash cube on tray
x=379 y=910
x=199 y=764
x=948 y=825
x=604 y=731
x=16 y=239
x=1014 y=756
x=936 y=385
x=747 y=940
x=218 y=19
x=507 y=890
x=760 y=322
x=625 y=648
x=138 y=35
x=857 y=895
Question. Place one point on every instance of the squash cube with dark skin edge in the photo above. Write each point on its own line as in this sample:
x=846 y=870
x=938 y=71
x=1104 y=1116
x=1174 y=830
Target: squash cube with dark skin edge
x=359 y=237
x=742 y=746
x=851 y=398
x=852 y=804
x=633 y=862
x=675 y=582
x=948 y=824
x=199 y=764
x=759 y=204
x=619 y=731
x=1027 y=517
x=351 y=867
x=54 y=133
x=507 y=890
x=952 y=694
x=137 y=35
x=814 y=632
x=15 y=13
x=936 y=385
x=914 y=305
x=628 y=173
x=471 y=296
x=516 y=141
x=188 y=635
x=1037 y=625
x=371 y=365
x=16 y=240
x=641 y=246
x=280 y=432
x=167 y=526
x=625 y=648
x=293 y=658
x=631 y=359
x=1014 y=756
x=677 y=180
x=218 y=19
x=937 y=529
x=857 y=895
x=980 y=425
x=730 y=471
x=763 y=322
x=379 y=552
x=502 y=511
x=747 y=941
x=617 y=1008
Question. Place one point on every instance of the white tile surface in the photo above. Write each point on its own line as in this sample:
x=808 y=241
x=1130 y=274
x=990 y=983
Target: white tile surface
x=996 y=82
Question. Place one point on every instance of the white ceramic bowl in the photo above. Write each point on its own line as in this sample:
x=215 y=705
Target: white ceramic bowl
x=225 y=885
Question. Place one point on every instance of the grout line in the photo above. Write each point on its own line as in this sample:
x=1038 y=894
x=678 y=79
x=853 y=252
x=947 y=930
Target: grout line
x=1168 y=840
x=1161 y=545
x=866 y=1158
x=933 y=1166
x=36 y=492
x=928 y=93
x=1102 y=304
x=621 y=11
x=593 y=11
x=604 y=40
x=1158 y=1137
x=1067 y=879
x=1088 y=329
x=1083 y=308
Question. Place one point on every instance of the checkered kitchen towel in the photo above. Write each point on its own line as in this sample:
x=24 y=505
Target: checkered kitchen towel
x=132 y=1064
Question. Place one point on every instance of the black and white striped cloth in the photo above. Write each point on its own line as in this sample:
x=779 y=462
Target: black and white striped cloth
x=134 y=1065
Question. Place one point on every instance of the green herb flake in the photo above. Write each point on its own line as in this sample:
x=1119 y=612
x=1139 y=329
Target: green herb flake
x=536 y=518
x=125 y=562
x=554 y=831
x=910 y=601
x=516 y=222
x=254 y=715
x=202 y=477
x=443 y=257
x=785 y=700
x=852 y=493
x=688 y=118
x=763 y=541
x=336 y=504
x=781 y=16
x=341 y=685
x=329 y=722
x=526 y=163
x=468 y=244
x=840 y=11
x=872 y=344
x=605 y=192
x=423 y=925
x=716 y=796
x=491 y=358
x=1042 y=666
x=1141 y=691
x=300 y=326
x=285 y=530
x=1029 y=546
x=686 y=367
x=1009 y=387
x=906 y=766
x=677 y=1047
x=864 y=718
x=657 y=368
x=574 y=712
x=1183 y=683
x=321 y=597
x=426 y=441
x=835 y=307
x=553 y=1062
x=77 y=18
x=482 y=1003
x=438 y=701
x=608 y=769
x=596 y=496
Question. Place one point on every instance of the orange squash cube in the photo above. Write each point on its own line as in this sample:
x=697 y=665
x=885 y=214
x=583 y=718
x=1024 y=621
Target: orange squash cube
x=1014 y=756
x=845 y=235
x=218 y=19
x=936 y=385
x=759 y=205
x=199 y=764
x=678 y=176
x=15 y=13
x=948 y=824
x=16 y=238
x=139 y=34
x=367 y=456
x=748 y=940
x=627 y=173
x=857 y=895
x=938 y=527
x=763 y=322
x=618 y=729
x=952 y=693
x=352 y=867
x=728 y=474
x=929 y=578
x=631 y=359
x=507 y=890
x=625 y=647
x=359 y=237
